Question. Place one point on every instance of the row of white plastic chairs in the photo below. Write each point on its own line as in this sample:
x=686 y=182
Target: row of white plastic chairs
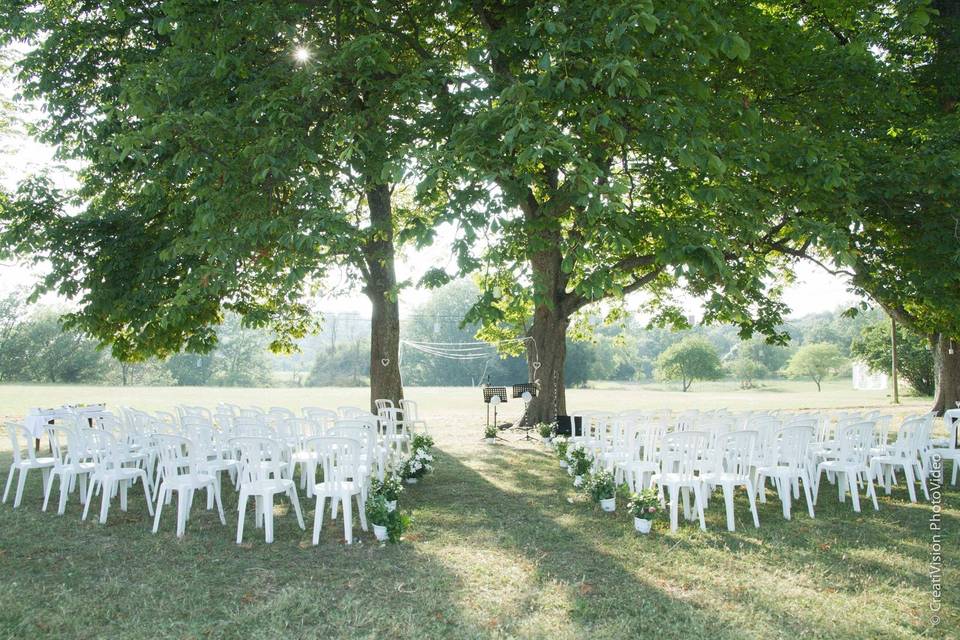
x=187 y=450
x=699 y=451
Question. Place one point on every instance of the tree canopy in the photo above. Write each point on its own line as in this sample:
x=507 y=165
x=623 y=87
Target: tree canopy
x=815 y=361
x=691 y=359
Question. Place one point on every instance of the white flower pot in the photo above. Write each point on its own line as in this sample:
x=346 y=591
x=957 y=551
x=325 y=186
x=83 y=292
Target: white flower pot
x=410 y=480
x=577 y=481
x=563 y=464
x=381 y=532
x=546 y=440
x=642 y=525
x=490 y=440
x=610 y=504
x=391 y=505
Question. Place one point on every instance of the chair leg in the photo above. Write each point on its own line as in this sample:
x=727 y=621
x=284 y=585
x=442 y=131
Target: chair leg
x=362 y=511
x=64 y=490
x=106 y=492
x=295 y=501
x=318 y=518
x=783 y=490
x=182 y=507
x=762 y=489
x=909 y=480
x=123 y=495
x=268 y=519
x=728 y=503
x=47 y=488
x=147 y=494
x=699 y=499
x=673 y=508
x=854 y=491
x=219 y=501
x=13 y=468
x=242 y=513
x=86 y=503
x=161 y=495
x=816 y=484
x=953 y=479
x=923 y=485
x=347 y=518
x=806 y=489
x=21 y=481
x=872 y=491
x=751 y=496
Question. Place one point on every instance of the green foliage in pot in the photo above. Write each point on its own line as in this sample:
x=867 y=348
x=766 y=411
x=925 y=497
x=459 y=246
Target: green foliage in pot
x=645 y=505
x=601 y=486
x=490 y=432
x=545 y=429
x=390 y=487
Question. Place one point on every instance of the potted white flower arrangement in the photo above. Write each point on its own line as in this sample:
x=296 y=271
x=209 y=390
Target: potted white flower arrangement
x=545 y=429
x=388 y=526
x=560 y=444
x=378 y=515
x=644 y=507
x=490 y=434
x=578 y=464
x=603 y=490
x=390 y=488
x=416 y=465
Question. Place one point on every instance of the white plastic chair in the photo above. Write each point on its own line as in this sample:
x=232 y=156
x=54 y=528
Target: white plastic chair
x=411 y=417
x=731 y=467
x=646 y=458
x=680 y=461
x=785 y=462
x=24 y=459
x=71 y=464
x=110 y=474
x=184 y=474
x=339 y=461
x=851 y=461
x=262 y=466
x=904 y=453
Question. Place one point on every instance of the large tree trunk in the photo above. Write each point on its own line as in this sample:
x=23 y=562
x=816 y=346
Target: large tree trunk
x=545 y=362
x=549 y=330
x=381 y=290
x=947 y=373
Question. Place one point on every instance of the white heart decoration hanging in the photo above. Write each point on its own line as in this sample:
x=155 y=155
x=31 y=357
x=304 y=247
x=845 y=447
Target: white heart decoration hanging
x=536 y=365
x=385 y=361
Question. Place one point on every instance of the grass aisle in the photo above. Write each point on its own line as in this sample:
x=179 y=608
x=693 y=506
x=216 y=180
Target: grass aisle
x=500 y=546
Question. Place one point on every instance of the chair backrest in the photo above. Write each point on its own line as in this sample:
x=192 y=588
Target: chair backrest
x=199 y=412
x=251 y=425
x=62 y=443
x=350 y=412
x=682 y=451
x=322 y=418
x=392 y=422
x=175 y=455
x=260 y=458
x=295 y=431
x=107 y=452
x=789 y=448
x=907 y=443
x=410 y=410
x=338 y=458
x=881 y=430
x=362 y=431
x=734 y=452
x=382 y=404
x=21 y=442
x=854 y=441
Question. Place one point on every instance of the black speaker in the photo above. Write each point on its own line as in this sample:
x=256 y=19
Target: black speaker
x=565 y=426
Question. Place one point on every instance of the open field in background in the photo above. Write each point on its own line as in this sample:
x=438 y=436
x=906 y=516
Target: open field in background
x=465 y=402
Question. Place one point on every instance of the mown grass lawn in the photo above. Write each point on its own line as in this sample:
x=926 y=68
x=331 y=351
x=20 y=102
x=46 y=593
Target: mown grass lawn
x=501 y=546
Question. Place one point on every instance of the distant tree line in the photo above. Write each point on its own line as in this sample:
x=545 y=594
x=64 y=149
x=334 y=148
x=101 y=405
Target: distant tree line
x=34 y=347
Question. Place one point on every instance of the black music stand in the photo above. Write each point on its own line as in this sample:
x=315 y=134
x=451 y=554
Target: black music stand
x=527 y=391
x=489 y=393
